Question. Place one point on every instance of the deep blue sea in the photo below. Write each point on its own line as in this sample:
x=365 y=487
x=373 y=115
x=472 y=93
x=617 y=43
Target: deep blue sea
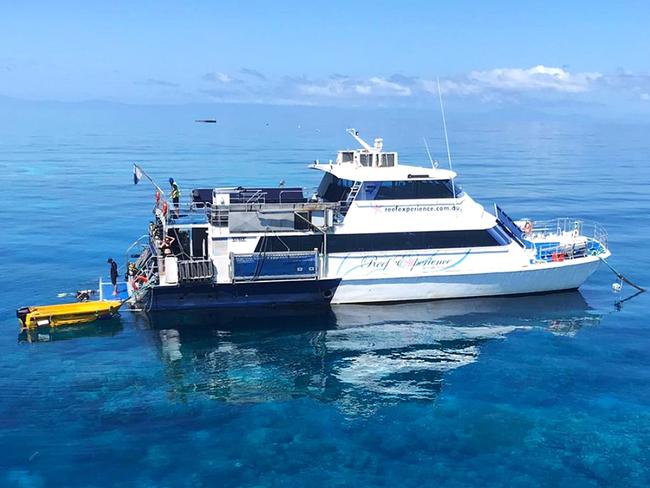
x=550 y=390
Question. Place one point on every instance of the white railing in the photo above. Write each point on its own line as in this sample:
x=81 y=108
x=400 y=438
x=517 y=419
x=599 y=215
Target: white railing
x=567 y=238
x=257 y=196
x=219 y=215
x=565 y=225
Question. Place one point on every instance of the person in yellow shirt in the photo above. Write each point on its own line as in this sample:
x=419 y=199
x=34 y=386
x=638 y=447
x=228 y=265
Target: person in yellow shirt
x=175 y=195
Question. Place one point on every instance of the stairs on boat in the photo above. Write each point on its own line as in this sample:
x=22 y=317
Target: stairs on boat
x=354 y=191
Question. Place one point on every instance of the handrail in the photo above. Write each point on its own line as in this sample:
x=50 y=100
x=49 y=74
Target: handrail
x=134 y=243
x=219 y=214
x=287 y=191
x=127 y=253
x=564 y=225
x=575 y=238
x=200 y=207
x=255 y=197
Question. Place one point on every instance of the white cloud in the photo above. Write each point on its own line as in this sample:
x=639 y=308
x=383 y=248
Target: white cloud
x=456 y=87
x=498 y=85
x=219 y=77
x=382 y=87
x=487 y=83
x=344 y=86
x=537 y=78
x=328 y=88
x=363 y=89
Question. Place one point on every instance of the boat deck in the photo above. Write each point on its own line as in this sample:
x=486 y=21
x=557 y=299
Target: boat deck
x=106 y=291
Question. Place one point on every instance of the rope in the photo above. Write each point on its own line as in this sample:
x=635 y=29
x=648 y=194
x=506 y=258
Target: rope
x=621 y=277
x=261 y=258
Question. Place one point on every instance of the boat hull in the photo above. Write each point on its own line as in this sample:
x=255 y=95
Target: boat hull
x=242 y=294
x=539 y=279
x=65 y=314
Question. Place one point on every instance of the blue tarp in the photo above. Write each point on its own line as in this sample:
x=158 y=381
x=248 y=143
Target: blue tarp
x=106 y=291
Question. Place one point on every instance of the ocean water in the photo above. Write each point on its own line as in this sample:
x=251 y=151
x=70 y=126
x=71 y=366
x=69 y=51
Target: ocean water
x=549 y=390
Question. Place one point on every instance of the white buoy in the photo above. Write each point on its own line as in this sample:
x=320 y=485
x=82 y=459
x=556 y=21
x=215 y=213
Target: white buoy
x=616 y=287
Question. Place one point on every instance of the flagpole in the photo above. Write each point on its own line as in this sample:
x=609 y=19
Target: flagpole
x=144 y=173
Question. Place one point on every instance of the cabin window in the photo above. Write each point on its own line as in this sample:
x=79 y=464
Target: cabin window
x=333 y=189
x=347 y=157
x=415 y=189
x=391 y=241
x=388 y=159
x=365 y=159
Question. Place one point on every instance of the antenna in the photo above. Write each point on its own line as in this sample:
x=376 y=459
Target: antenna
x=434 y=164
x=444 y=126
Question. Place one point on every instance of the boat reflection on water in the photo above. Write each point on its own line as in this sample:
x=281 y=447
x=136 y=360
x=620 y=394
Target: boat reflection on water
x=360 y=356
x=100 y=328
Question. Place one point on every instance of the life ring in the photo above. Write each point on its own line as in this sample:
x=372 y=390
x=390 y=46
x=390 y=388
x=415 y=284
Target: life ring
x=157 y=197
x=164 y=209
x=138 y=281
x=528 y=227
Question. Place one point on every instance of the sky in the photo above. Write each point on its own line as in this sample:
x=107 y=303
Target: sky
x=579 y=53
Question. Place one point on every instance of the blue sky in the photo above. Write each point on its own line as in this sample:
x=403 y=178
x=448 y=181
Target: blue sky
x=326 y=53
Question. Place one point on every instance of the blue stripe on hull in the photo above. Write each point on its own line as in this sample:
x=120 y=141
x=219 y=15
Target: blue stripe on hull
x=243 y=294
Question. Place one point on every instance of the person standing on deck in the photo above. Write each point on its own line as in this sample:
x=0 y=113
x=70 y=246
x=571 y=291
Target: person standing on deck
x=175 y=195
x=113 y=275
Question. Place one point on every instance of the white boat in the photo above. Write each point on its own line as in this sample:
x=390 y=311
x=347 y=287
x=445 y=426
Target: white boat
x=376 y=230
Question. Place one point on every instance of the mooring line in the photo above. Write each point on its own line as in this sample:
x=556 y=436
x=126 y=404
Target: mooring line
x=621 y=277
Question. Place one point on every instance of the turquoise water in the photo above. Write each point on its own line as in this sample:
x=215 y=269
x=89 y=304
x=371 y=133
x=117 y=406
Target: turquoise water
x=549 y=390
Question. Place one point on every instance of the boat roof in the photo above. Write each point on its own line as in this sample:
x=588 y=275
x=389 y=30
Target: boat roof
x=372 y=163
x=350 y=171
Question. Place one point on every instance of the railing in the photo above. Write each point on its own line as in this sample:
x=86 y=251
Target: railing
x=145 y=259
x=567 y=238
x=191 y=213
x=219 y=215
x=195 y=270
x=257 y=196
x=565 y=225
x=141 y=243
x=201 y=212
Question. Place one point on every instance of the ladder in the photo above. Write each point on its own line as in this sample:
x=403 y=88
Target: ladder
x=354 y=190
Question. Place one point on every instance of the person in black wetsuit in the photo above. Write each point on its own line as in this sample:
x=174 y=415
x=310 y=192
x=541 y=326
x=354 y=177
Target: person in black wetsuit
x=113 y=275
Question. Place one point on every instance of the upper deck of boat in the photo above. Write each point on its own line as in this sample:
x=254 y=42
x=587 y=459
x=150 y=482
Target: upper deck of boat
x=346 y=180
x=372 y=163
x=398 y=172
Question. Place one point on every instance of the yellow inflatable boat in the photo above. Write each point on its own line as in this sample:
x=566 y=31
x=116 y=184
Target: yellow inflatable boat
x=66 y=313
